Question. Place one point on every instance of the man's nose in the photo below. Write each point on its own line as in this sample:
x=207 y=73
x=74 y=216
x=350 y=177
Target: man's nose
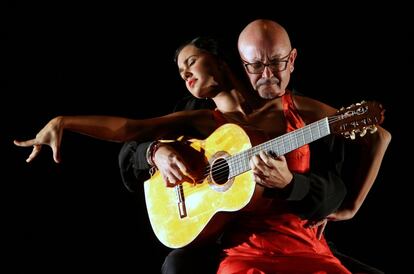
x=267 y=72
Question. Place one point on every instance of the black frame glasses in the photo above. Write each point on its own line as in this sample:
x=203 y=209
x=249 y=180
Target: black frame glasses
x=274 y=65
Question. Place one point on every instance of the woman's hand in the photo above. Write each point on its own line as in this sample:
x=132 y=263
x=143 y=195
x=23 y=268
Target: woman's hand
x=50 y=135
x=340 y=215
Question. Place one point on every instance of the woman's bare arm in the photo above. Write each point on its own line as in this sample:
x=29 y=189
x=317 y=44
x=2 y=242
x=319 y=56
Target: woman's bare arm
x=116 y=129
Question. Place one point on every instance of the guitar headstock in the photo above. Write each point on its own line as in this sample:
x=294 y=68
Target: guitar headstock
x=357 y=119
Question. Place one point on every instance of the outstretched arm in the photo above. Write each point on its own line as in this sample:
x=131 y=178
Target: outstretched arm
x=115 y=129
x=101 y=127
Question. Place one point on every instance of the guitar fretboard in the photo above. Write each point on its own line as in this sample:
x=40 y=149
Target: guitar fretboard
x=239 y=163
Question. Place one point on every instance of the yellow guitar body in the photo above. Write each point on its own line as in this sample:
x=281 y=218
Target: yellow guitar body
x=179 y=224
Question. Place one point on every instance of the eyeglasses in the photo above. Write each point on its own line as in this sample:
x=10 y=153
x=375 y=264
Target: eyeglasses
x=258 y=67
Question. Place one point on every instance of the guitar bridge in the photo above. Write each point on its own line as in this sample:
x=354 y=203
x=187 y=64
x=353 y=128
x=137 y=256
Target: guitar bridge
x=182 y=210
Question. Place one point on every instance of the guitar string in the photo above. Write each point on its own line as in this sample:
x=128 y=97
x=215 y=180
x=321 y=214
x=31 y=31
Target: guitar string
x=289 y=139
x=221 y=170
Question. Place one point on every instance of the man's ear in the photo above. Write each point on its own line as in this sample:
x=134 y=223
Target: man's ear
x=292 y=58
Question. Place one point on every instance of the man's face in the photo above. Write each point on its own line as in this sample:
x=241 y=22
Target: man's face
x=268 y=67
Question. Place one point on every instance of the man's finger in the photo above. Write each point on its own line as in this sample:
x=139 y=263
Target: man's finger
x=181 y=166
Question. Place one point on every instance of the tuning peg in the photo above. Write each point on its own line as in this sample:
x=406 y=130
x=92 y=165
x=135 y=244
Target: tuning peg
x=372 y=129
x=349 y=135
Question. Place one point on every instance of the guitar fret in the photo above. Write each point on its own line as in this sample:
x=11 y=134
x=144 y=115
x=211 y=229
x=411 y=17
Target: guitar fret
x=308 y=136
x=286 y=143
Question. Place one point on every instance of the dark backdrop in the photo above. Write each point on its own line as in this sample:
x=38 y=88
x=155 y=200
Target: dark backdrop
x=116 y=59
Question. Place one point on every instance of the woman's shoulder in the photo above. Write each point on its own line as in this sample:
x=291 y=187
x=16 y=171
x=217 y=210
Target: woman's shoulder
x=312 y=109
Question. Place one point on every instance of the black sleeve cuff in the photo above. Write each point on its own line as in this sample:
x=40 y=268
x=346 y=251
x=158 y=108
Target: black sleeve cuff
x=133 y=164
x=295 y=191
x=141 y=156
x=299 y=187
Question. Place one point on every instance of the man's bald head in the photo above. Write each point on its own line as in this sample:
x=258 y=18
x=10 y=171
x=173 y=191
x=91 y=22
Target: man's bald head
x=263 y=34
x=268 y=57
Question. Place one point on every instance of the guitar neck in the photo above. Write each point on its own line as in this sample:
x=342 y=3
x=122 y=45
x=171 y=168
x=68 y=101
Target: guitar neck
x=239 y=163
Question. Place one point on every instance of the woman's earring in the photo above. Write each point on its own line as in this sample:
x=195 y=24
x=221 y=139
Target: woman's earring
x=292 y=68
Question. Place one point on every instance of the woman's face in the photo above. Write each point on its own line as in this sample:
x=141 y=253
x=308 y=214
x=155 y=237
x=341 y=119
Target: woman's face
x=200 y=71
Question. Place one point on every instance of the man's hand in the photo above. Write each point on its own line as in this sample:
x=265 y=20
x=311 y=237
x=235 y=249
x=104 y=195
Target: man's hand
x=269 y=171
x=171 y=165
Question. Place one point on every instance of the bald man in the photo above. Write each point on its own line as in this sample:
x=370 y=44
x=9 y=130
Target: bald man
x=268 y=59
x=300 y=186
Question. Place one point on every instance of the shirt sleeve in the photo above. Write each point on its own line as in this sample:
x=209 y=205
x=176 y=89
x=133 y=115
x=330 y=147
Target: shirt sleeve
x=321 y=191
x=132 y=159
x=133 y=164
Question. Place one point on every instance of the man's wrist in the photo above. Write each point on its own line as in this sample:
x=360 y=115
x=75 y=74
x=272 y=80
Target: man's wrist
x=150 y=152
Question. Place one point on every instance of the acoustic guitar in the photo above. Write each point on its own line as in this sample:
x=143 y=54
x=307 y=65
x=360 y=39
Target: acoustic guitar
x=192 y=212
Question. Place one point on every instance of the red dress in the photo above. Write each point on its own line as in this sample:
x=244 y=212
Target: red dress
x=273 y=240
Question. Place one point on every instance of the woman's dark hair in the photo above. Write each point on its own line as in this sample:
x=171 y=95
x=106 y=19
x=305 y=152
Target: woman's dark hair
x=205 y=43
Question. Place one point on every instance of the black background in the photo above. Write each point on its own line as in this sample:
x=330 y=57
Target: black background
x=116 y=59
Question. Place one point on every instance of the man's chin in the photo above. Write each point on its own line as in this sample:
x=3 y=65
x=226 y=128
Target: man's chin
x=268 y=93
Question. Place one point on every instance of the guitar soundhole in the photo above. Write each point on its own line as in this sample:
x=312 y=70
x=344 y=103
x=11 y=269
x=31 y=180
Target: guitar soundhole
x=220 y=171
